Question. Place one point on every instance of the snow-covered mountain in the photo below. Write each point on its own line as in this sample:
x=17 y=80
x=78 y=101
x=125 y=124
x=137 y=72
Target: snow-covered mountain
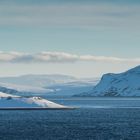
x=23 y=90
x=123 y=84
x=43 y=85
x=13 y=101
x=32 y=84
x=73 y=88
x=38 y=80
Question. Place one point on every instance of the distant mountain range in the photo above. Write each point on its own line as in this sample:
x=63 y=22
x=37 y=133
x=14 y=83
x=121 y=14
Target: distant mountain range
x=38 y=80
x=73 y=88
x=51 y=85
x=23 y=90
x=123 y=84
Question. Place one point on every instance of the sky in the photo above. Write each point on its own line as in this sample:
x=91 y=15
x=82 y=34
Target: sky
x=84 y=38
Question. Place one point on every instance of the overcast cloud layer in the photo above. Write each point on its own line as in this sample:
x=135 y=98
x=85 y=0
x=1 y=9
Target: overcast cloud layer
x=57 y=57
x=69 y=15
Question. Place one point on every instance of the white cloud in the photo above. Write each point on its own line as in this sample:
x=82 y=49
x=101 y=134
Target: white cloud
x=59 y=57
x=56 y=57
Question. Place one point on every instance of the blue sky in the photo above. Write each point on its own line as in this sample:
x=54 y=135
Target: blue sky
x=95 y=28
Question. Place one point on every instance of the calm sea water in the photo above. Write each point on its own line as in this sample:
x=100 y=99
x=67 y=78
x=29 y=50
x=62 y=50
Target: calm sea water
x=95 y=119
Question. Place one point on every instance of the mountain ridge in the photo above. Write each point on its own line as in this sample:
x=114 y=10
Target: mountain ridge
x=123 y=84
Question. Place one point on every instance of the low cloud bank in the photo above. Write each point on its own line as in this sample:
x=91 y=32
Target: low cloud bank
x=57 y=57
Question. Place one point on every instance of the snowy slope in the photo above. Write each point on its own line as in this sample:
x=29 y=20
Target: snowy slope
x=123 y=84
x=73 y=88
x=3 y=95
x=23 y=90
x=12 y=101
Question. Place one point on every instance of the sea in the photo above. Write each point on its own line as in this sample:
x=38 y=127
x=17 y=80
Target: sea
x=92 y=119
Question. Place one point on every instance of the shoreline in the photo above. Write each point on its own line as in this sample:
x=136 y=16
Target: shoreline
x=36 y=108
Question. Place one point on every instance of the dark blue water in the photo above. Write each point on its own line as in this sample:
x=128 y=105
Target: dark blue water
x=118 y=120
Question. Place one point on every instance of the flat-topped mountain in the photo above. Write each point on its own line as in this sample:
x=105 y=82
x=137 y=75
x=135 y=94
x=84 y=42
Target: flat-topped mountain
x=38 y=80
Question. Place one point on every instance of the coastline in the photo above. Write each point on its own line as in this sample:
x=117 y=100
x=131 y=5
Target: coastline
x=35 y=108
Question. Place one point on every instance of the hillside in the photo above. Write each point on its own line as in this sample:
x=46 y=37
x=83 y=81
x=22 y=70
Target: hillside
x=123 y=84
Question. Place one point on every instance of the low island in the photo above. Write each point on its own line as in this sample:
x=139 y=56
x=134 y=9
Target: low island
x=13 y=102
